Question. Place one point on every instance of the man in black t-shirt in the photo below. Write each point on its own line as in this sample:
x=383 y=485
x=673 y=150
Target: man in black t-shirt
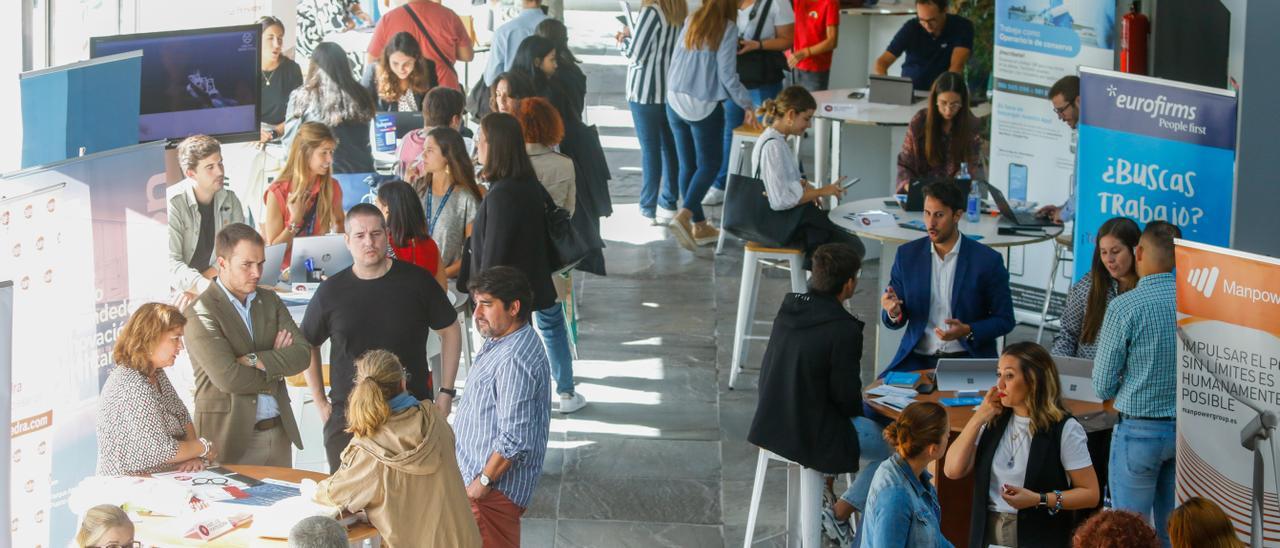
x=934 y=42
x=378 y=303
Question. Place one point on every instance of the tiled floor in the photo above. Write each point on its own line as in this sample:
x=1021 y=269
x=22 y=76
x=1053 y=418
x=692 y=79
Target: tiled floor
x=659 y=457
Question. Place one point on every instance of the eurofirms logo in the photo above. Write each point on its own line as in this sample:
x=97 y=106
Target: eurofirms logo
x=1205 y=281
x=1160 y=106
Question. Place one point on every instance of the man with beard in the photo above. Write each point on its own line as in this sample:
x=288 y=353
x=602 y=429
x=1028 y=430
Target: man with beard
x=199 y=206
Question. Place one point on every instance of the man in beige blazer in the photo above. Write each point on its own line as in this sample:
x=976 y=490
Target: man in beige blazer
x=242 y=344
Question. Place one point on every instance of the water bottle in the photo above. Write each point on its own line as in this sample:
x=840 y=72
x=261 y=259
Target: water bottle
x=972 y=212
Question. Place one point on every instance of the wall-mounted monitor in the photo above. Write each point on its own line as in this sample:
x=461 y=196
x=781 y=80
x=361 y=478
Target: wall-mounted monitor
x=195 y=81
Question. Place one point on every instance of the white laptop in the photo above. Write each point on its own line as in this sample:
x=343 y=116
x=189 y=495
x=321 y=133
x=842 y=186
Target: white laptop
x=328 y=253
x=1076 y=377
x=958 y=374
x=273 y=265
x=890 y=90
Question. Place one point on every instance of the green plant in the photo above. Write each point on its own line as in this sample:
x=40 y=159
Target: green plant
x=982 y=14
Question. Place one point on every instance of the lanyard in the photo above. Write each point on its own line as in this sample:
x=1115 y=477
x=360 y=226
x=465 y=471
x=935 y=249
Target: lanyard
x=434 y=217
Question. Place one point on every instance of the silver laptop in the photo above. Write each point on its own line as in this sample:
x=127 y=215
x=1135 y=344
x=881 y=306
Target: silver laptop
x=271 y=268
x=966 y=374
x=328 y=253
x=891 y=90
x=1018 y=219
x=1076 y=377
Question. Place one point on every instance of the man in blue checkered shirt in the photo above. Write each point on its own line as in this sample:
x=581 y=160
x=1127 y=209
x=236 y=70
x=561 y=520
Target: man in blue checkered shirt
x=1136 y=365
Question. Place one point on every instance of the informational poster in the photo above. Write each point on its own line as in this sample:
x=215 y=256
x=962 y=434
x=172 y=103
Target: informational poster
x=84 y=241
x=1229 y=385
x=1032 y=157
x=1153 y=149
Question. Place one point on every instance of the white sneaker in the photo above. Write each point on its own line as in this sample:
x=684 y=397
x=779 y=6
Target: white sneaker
x=662 y=217
x=714 y=197
x=571 y=402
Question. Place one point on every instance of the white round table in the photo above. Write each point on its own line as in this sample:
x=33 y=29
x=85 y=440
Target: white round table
x=893 y=235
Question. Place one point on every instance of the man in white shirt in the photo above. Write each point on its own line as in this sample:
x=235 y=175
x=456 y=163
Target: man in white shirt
x=506 y=40
x=949 y=291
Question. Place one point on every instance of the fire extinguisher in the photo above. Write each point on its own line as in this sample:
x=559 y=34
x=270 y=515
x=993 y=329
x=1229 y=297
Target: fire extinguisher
x=1134 y=30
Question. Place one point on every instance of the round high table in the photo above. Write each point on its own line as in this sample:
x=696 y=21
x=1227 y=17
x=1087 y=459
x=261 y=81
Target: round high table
x=160 y=531
x=893 y=235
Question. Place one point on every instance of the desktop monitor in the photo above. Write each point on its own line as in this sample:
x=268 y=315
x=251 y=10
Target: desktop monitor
x=194 y=81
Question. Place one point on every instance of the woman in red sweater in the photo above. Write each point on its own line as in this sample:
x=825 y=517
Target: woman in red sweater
x=408 y=237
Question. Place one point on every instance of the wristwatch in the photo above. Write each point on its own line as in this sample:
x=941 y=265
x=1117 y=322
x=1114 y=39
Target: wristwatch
x=484 y=480
x=1044 y=501
x=452 y=392
x=253 y=359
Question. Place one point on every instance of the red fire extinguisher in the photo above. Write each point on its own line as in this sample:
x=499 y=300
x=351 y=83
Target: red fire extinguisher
x=1134 y=29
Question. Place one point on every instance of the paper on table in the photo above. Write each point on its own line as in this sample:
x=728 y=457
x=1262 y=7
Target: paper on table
x=895 y=402
x=873 y=219
x=886 y=390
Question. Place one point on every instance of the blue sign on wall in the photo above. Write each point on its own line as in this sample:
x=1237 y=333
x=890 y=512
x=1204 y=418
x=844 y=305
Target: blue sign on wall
x=1150 y=150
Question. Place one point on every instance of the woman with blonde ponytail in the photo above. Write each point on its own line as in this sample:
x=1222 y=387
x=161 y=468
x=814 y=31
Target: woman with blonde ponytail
x=400 y=467
x=902 y=506
x=774 y=163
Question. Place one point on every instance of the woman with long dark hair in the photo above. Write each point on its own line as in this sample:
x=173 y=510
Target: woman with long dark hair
x=1030 y=458
x=510 y=230
x=941 y=136
x=407 y=236
x=567 y=74
x=509 y=88
x=1113 y=272
x=403 y=76
x=449 y=193
x=332 y=96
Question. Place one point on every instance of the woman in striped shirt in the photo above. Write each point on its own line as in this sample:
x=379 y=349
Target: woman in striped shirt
x=649 y=51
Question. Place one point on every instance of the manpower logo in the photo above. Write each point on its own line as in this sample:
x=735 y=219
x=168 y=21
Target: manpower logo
x=1203 y=280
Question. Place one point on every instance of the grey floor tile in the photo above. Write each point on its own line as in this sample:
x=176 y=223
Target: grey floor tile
x=641 y=499
x=594 y=534
x=606 y=457
x=546 y=498
x=679 y=421
x=537 y=533
x=647 y=382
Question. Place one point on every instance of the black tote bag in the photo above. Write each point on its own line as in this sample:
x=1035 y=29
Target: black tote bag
x=747 y=214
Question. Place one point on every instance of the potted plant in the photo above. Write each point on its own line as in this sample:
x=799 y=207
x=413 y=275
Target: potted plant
x=978 y=72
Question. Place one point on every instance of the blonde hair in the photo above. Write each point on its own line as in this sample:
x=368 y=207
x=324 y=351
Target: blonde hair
x=674 y=10
x=142 y=332
x=1044 y=391
x=297 y=170
x=920 y=425
x=98 y=520
x=793 y=99
x=378 y=378
x=706 y=28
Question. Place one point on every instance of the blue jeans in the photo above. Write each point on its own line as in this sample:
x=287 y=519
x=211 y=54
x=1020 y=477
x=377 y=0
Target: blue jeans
x=1141 y=470
x=555 y=336
x=873 y=450
x=733 y=115
x=698 y=148
x=660 y=167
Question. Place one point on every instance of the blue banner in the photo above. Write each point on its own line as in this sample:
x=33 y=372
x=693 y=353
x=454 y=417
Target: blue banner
x=1150 y=150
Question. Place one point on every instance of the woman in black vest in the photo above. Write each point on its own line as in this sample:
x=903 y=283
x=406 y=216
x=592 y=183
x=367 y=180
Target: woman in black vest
x=1029 y=456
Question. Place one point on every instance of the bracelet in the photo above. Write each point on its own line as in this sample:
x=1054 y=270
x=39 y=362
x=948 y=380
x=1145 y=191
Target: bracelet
x=293 y=228
x=206 y=445
x=1057 y=506
x=451 y=392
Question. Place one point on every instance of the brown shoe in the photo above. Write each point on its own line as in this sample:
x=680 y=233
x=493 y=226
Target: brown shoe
x=705 y=234
x=682 y=227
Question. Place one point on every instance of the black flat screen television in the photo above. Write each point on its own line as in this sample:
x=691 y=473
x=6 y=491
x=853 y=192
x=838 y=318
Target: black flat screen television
x=195 y=81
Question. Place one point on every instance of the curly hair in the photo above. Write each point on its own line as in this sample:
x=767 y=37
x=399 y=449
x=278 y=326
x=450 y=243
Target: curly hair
x=1115 y=529
x=140 y=334
x=194 y=149
x=540 y=121
x=390 y=86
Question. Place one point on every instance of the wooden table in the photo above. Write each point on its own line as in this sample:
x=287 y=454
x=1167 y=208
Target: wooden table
x=956 y=496
x=159 y=530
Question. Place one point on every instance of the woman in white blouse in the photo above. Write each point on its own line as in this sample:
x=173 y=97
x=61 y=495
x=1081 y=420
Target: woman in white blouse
x=773 y=162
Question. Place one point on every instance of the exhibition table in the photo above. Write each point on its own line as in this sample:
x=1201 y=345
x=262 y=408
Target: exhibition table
x=892 y=235
x=162 y=531
x=956 y=496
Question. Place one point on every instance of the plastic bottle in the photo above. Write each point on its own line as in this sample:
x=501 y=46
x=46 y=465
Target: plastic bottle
x=972 y=212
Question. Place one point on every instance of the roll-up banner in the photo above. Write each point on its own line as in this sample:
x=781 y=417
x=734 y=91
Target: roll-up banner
x=1153 y=149
x=1032 y=151
x=1229 y=385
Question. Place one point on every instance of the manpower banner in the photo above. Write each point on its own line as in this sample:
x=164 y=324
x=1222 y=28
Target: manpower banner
x=1229 y=385
x=1154 y=149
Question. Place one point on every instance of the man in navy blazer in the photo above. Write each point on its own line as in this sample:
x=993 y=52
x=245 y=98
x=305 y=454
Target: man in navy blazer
x=951 y=292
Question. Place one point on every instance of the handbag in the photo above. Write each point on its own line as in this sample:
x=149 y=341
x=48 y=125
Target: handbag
x=748 y=216
x=566 y=246
x=761 y=67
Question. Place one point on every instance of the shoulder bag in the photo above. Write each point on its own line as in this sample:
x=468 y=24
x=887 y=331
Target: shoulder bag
x=747 y=214
x=566 y=246
x=423 y=29
x=761 y=67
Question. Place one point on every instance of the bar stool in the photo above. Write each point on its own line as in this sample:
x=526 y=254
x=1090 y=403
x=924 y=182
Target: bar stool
x=742 y=136
x=1063 y=245
x=804 y=502
x=752 y=261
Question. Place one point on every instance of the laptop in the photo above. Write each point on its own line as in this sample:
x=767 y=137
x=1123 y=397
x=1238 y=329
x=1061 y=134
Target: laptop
x=1076 y=377
x=957 y=374
x=915 y=192
x=1017 y=218
x=328 y=253
x=273 y=265
x=891 y=90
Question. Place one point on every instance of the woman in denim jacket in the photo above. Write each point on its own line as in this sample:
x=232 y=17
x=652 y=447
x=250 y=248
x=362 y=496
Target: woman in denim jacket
x=902 y=505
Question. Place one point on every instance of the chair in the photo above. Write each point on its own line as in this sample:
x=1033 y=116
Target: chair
x=742 y=136
x=752 y=262
x=804 y=502
x=1063 y=246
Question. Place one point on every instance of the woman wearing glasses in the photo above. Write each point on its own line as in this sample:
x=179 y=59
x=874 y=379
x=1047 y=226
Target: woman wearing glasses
x=941 y=136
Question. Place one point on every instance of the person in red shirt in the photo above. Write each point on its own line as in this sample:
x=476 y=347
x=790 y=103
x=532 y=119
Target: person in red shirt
x=408 y=237
x=451 y=41
x=817 y=31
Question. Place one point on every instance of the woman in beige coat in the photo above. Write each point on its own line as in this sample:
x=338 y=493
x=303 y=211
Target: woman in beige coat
x=400 y=468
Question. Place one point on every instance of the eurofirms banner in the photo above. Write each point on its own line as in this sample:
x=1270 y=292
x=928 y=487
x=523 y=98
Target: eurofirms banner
x=1153 y=149
x=1229 y=385
x=83 y=240
x=1032 y=151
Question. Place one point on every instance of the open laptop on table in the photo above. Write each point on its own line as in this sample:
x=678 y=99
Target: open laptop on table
x=956 y=374
x=328 y=253
x=1017 y=218
x=891 y=90
x=1076 y=377
x=272 y=267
